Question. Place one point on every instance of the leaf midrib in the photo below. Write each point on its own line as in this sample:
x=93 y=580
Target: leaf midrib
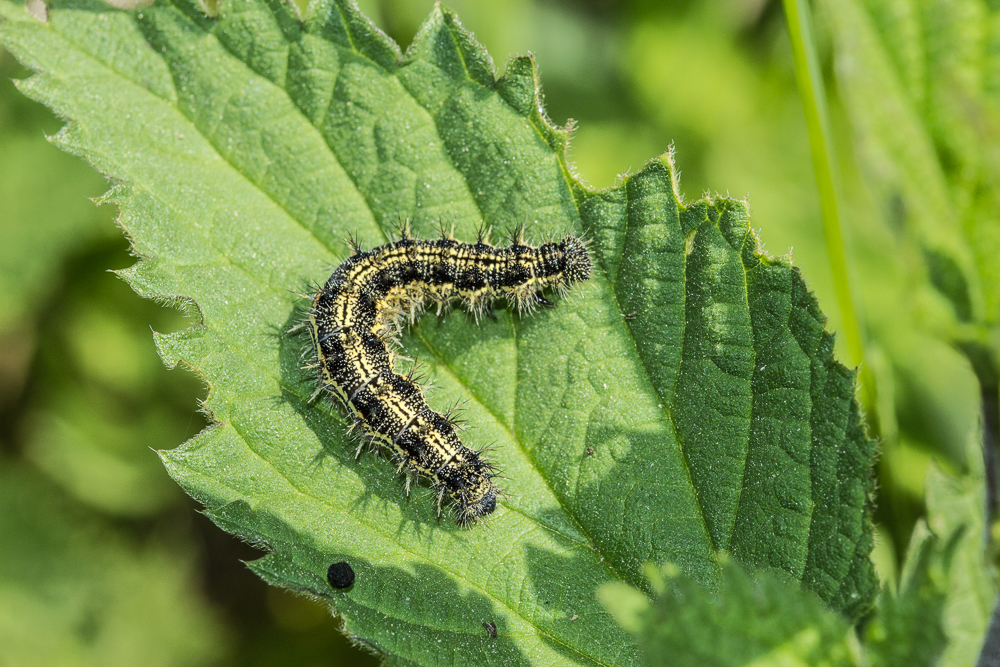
x=226 y=260
x=590 y=541
x=223 y=159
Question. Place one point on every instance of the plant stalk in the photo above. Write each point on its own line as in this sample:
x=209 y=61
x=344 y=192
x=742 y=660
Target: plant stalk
x=809 y=79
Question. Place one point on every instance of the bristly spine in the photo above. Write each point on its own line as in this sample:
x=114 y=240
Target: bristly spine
x=363 y=305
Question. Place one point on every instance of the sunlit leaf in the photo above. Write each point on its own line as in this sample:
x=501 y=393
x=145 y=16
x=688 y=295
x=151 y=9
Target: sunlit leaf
x=684 y=401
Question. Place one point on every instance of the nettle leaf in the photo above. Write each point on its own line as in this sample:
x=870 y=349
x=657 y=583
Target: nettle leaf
x=760 y=620
x=955 y=511
x=695 y=368
x=906 y=628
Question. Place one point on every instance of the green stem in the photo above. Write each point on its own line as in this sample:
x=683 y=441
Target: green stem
x=810 y=83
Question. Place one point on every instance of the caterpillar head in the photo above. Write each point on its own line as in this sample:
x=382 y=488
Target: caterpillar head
x=477 y=503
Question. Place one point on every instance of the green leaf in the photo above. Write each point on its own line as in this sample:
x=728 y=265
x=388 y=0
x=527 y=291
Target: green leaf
x=949 y=587
x=76 y=592
x=937 y=396
x=907 y=627
x=955 y=508
x=901 y=146
x=696 y=368
x=755 y=621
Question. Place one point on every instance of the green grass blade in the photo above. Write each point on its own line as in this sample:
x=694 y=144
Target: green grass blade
x=809 y=78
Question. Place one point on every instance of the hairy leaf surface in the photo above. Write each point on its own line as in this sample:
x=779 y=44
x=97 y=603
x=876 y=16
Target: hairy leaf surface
x=684 y=401
x=752 y=621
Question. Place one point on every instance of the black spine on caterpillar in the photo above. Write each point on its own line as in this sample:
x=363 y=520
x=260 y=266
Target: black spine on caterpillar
x=360 y=307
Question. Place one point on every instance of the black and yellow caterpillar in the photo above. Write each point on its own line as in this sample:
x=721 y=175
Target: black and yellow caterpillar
x=363 y=304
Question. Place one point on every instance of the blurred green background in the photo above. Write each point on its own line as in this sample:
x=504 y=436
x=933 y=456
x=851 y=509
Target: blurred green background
x=116 y=567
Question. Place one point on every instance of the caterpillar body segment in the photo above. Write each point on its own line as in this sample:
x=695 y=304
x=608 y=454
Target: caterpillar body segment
x=363 y=305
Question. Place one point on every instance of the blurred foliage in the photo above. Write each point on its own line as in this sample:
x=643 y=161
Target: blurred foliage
x=907 y=627
x=75 y=591
x=919 y=86
x=83 y=397
x=752 y=620
x=938 y=611
x=44 y=203
x=955 y=506
x=100 y=398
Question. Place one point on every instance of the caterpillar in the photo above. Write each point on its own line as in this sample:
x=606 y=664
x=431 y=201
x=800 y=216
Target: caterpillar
x=355 y=315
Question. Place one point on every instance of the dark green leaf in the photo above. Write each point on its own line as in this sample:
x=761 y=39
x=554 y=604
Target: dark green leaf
x=907 y=627
x=750 y=621
x=955 y=509
x=248 y=148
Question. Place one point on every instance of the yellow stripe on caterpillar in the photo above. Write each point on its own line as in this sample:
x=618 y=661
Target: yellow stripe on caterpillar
x=361 y=306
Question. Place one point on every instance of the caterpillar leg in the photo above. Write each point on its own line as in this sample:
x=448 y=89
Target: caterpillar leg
x=542 y=301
